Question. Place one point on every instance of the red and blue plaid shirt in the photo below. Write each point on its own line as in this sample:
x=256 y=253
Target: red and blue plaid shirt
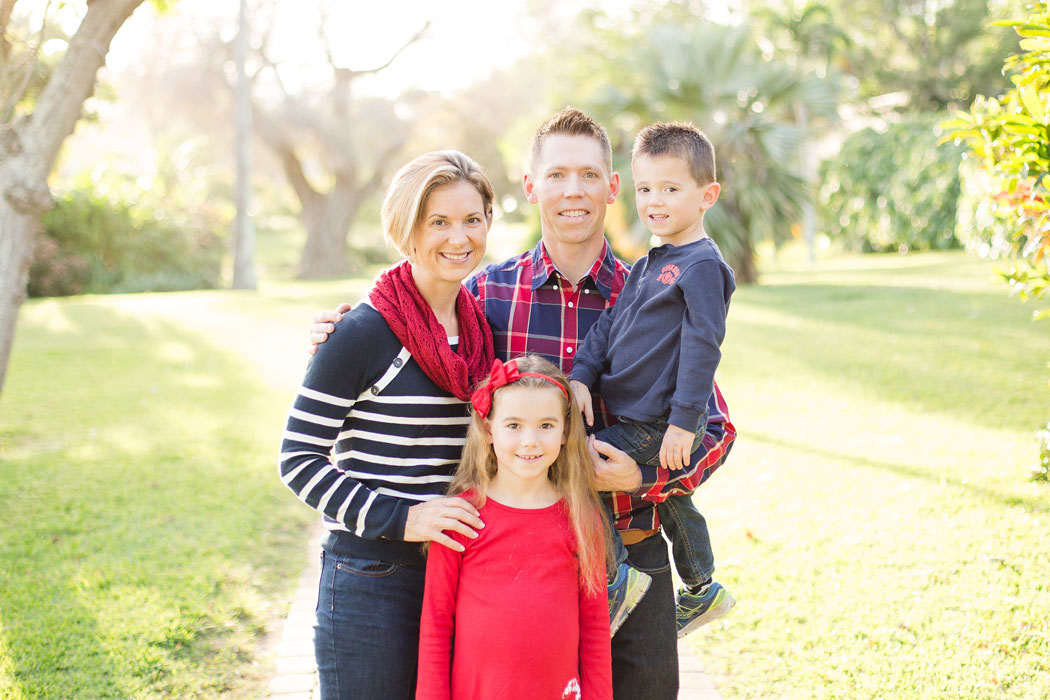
x=533 y=308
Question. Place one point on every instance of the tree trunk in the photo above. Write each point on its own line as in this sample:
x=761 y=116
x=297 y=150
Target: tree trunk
x=28 y=149
x=327 y=219
x=743 y=263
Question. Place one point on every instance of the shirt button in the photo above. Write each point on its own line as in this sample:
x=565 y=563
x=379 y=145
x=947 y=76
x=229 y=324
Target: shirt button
x=398 y=362
x=375 y=391
x=586 y=291
x=570 y=305
x=569 y=349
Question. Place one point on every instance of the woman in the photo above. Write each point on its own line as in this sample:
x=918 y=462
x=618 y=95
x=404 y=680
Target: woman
x=377 y=428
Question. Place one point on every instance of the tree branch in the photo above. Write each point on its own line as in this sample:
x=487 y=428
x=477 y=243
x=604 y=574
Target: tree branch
x=11 y=101
x=416 y=37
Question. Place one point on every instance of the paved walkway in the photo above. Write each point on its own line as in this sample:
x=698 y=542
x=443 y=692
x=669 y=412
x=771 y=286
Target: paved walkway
x=296 y=673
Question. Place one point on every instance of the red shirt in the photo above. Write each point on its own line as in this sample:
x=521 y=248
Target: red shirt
x=507 y=618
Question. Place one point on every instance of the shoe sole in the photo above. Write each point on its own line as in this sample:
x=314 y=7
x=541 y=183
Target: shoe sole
x=633 y=599
x=711 y=615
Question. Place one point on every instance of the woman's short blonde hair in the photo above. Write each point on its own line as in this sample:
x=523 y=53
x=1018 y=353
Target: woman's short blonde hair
x=405 y=202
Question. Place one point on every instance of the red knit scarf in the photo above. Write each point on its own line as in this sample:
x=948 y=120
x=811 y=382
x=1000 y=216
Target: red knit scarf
x=410 y=317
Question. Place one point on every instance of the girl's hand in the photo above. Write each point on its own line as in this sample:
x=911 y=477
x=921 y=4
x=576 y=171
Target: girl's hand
x=428 y=520
x=324 y=324
x=582 y=393
x=675 y=450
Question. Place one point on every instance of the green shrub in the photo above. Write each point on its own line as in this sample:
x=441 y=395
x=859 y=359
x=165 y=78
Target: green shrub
x=120 y=237
x=893 y=191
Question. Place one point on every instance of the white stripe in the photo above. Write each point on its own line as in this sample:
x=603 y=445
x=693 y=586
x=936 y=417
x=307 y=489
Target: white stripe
x=312 y=439
x=446 y=400
x=341 y=515
x=360 y=530
x=321 y=474
x=323 y=503
x=400 y=478
x=333 y=526
x=392 y=461
x=406 y=420
x=285 y=456
x=314 y=418
x=287 y=478
x=399 y=439
x=327 y=398
x=409 y=496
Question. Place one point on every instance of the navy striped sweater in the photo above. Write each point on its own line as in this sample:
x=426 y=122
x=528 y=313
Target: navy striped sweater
x=368 y=436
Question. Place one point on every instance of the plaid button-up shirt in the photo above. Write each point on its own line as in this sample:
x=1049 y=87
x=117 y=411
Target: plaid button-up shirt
x=533 y=308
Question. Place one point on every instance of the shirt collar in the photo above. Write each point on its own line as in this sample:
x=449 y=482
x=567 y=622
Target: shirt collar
x=602 y=272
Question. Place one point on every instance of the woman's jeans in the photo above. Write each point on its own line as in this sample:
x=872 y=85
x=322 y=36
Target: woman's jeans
x=366 y=639
x=682 y=523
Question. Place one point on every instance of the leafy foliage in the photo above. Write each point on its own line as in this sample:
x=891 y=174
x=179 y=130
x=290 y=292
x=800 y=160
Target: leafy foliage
x=715 y=77
x=119 y=237
x=892 y=191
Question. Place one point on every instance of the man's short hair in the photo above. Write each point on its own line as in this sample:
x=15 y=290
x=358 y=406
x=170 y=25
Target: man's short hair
x=571 y=122
x=680 y=140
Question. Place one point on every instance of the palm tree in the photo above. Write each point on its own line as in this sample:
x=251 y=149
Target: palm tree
x=715 y=77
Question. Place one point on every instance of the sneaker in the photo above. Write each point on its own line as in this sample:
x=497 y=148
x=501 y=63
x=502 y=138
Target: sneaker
x=697 y=609
x=625 y=593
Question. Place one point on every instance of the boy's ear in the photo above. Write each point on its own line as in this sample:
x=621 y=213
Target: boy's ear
x=710 y=195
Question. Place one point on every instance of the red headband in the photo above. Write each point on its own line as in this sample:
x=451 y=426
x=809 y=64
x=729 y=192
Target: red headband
x=502 y=375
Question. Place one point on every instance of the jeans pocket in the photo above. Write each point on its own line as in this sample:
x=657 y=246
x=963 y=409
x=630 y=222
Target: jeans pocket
x=372 y=568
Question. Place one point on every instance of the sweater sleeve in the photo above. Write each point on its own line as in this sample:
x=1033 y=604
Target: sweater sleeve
x=590 y=356
x=342 y=369
x=437 y=625
x=595 y=646
x=705 y=290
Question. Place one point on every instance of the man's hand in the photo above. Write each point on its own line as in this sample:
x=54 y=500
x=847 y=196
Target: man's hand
x=582 y=393
x=324 y=323
x=617 y=472
x=428 y=520
x=676 y=448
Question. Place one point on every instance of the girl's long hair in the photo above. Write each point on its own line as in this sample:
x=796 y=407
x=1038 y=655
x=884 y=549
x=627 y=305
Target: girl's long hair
x=572 y=474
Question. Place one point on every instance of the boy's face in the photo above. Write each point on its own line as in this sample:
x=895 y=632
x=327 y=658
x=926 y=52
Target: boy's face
x=572 y=186
x=670 y=202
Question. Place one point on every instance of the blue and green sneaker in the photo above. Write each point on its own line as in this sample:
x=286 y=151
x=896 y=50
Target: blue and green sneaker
x=695 y=610
x=625 y=592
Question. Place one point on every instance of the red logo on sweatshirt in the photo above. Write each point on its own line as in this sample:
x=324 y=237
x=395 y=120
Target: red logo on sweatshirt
x=669 y=274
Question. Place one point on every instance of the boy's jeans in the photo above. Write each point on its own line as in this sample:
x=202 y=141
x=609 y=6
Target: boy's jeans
x=682 y=523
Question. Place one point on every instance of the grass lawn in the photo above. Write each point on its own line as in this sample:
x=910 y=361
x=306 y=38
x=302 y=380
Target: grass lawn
x=875 y=519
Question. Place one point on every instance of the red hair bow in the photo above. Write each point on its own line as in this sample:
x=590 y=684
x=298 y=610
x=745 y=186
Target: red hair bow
x=501 y=375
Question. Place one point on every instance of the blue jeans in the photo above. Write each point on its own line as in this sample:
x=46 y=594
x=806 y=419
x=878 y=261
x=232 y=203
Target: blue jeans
x=683 y=524
x=645 y=649
x=366 y=639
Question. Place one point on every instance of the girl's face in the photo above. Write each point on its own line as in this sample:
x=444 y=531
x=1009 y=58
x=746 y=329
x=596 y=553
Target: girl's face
x=450 y=240
x=526 y=430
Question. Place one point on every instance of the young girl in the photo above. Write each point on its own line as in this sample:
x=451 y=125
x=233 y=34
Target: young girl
x=521 y=611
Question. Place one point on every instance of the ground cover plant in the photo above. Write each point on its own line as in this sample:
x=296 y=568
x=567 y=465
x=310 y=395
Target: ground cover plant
x=876 y=520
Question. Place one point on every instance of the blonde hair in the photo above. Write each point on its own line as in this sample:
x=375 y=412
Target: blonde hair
x=405 y=202
x=571 y=473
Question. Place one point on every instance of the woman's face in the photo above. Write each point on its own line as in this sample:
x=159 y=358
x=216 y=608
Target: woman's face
x=450 y=240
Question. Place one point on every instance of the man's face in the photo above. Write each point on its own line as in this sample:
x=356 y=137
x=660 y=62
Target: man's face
x=572 y=186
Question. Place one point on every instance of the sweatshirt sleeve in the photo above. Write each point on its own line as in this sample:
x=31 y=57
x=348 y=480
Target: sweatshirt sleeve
x=590 y=356
x=595 y=646
x=437 y=625
x=706 y=288
x=342 y=370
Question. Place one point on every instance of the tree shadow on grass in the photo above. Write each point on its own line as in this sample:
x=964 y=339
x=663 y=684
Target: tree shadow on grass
x=140 y=510
x=971 y=355
x=1035 y=505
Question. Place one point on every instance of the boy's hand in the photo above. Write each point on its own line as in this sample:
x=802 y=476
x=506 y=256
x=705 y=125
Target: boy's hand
x=676 y=448
x=324 y=323
x=582 y=393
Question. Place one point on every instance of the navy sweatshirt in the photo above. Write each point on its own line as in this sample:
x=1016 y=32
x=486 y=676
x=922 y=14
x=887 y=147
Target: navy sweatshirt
x=657 y=349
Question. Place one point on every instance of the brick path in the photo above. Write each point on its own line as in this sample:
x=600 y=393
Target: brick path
x=296 y=674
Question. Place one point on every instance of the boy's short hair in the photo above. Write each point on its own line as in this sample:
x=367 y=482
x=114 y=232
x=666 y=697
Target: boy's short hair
x=571 y=122
x=680 y=140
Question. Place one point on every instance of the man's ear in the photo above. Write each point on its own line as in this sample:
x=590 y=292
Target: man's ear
x=529 y=186
x=614 y=187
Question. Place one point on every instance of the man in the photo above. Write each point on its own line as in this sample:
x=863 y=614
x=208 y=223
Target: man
x=544 y=301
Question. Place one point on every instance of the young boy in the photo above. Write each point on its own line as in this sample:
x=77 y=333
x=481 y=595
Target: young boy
x=653 y=355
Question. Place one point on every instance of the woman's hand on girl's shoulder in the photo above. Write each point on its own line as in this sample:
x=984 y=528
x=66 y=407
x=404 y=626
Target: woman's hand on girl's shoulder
x=428 y=521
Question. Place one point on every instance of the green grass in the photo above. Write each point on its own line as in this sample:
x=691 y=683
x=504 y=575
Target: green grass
x=875 y=519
